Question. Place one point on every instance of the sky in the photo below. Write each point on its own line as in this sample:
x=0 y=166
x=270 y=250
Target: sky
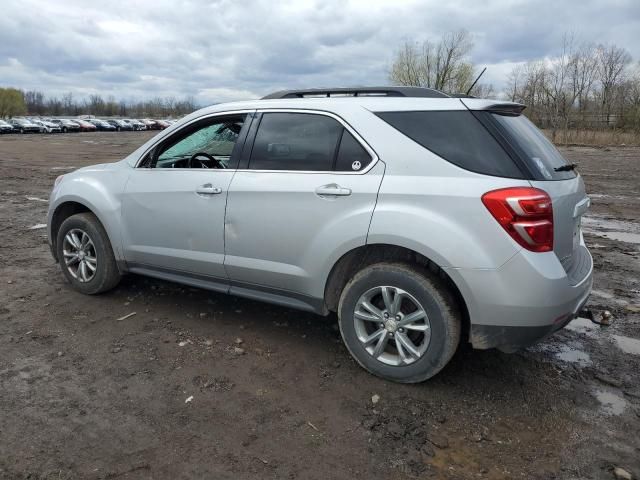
x=225 y=50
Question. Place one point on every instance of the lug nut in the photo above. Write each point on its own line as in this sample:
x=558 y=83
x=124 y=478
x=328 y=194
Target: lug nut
x=386 y=315
x=398 y=317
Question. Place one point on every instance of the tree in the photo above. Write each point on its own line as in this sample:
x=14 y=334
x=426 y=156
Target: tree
x=11 y=102
x=444 y=65
x=611 y=61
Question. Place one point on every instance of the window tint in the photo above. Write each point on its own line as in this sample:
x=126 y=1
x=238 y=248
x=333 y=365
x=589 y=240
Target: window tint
x=537 y=150
x=216 y=138
x=295 y=141
x=352 y=157
x=456 y=136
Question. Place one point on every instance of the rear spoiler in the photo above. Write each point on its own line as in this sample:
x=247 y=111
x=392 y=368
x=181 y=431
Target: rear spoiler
x=512 y=109
x=502 y=108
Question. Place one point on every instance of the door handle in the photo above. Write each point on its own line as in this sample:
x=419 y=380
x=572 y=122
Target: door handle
x=208 y=189
x=333 y=190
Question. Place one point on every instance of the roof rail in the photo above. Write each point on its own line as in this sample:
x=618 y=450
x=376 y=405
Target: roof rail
x=359 y=92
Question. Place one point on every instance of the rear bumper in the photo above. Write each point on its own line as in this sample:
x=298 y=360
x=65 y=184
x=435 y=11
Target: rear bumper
x=524 y=301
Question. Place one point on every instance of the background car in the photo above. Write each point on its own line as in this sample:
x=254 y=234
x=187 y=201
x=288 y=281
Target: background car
x=136 y=124
x=85 y=126
x=101 y=125
x=120 y=124
x=23 y=125
x=151 y=124
x=66 y=125
x=46 y=126
x=162 y=124
x=5 y=127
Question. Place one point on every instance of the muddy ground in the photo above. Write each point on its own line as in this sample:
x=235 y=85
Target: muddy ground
x=83 y=395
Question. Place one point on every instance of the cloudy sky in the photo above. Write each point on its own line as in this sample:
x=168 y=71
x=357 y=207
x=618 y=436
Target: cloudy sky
x=224 y=49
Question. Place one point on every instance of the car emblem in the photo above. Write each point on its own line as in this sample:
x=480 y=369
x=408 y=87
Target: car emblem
x=356 y=165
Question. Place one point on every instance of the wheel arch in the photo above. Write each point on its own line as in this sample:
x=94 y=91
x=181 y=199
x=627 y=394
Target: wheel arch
x=360 y=257
x=66 y=209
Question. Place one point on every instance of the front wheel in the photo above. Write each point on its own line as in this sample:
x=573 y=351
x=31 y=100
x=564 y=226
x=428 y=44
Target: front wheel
x=85 y=255
x=399 y=322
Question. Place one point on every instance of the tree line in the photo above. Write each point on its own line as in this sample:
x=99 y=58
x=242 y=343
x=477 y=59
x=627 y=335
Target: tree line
x=585 y=86
x=14 y=102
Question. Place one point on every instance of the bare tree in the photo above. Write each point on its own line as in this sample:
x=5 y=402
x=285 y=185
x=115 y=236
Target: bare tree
x=611 y=61
x=444 y=65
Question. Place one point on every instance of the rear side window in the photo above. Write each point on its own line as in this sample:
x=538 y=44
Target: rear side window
x=458 y=137
x=295 y=141
x=352 y=157
x=531 y=144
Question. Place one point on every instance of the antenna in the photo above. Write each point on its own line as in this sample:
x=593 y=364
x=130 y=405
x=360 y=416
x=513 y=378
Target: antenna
x=476 y=80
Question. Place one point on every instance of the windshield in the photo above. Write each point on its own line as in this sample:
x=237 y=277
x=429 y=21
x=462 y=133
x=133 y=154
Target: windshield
x=540 y=154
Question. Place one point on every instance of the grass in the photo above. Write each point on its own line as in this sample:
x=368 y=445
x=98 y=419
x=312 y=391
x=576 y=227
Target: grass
x=597 y=138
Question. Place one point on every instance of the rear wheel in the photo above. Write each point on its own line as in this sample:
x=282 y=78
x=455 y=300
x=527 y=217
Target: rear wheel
x=85 y=254
x=399 y=322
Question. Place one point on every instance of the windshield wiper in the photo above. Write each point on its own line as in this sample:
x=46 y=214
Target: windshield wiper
x=566 y=168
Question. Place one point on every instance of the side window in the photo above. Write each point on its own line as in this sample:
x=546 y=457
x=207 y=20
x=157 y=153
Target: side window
x=295 y=141
x=352 y=157
x=456 y=136
x=207 y=145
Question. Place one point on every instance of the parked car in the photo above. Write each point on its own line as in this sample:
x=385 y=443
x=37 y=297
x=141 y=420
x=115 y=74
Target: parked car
x=151 y=124
x=102 y=125
x=47 y=127
x=137 y=125
x=120 y=124
x=5 y=127
x=66 y=125
x=85 y=126
x=23 y=125
x=162 y=124
x=420 y=219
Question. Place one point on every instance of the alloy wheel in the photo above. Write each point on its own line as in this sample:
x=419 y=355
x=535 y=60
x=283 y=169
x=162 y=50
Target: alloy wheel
x=80 y=255
x=392 y=325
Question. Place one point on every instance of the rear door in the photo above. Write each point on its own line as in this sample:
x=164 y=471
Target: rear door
x=306 y=191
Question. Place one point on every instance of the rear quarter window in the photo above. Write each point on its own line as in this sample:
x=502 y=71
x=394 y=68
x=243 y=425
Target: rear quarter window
x=458 y=137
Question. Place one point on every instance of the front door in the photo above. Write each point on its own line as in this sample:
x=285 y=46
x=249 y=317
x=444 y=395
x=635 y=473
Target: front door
x=173 y=206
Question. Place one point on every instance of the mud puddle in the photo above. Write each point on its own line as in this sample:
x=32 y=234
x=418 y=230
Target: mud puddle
x=620 y=230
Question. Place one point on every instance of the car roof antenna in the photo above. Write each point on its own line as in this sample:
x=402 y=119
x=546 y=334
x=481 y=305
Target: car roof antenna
x=476 y=80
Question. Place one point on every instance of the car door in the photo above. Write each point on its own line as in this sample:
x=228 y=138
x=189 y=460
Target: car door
x=305 y=196
x=174 y=203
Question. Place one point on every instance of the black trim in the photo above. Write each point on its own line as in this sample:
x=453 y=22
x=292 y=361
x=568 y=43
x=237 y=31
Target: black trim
x=337 y=150
x=247 y=148
x=359 y=92
x=497 y=133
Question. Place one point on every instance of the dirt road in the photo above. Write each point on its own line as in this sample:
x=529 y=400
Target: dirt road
x=199 y=385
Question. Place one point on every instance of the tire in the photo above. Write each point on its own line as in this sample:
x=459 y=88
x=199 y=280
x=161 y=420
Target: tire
x=64 y=130
x=420 y=289
x=106 y=275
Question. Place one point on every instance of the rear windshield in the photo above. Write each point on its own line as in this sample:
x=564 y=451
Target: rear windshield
x=458 y=137
x=531 y=144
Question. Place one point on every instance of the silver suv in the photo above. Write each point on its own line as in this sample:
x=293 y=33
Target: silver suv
x=419 y=218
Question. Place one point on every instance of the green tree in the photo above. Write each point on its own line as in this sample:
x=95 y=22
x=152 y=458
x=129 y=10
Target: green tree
x=11 y=102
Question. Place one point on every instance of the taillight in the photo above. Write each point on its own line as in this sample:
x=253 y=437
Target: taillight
x=525 y=213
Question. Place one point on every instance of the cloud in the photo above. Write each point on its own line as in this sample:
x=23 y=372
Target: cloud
x=224 y=50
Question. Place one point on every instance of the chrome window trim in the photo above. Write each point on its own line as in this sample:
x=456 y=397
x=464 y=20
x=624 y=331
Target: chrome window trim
x=192 y=121
x=341 y=121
